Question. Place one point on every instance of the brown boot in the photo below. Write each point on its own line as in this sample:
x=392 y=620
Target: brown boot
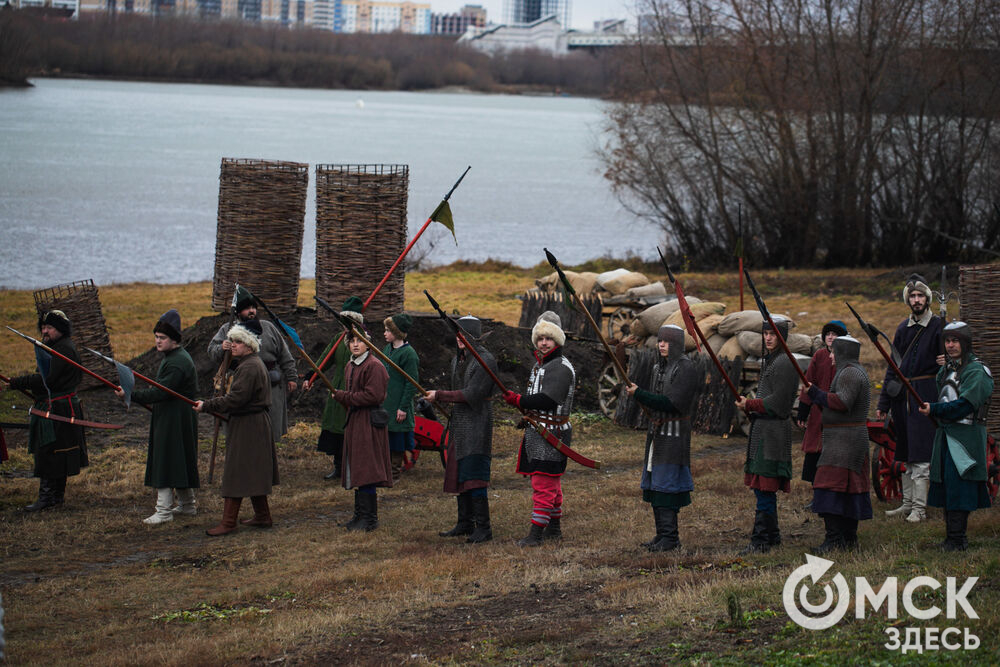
x=230 y=512
x=396 y=465
x=261 y=513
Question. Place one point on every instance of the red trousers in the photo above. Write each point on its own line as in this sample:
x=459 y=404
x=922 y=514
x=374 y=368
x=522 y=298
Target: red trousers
x=546 y=498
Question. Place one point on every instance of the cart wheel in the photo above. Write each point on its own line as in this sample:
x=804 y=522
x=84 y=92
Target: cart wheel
x=621 y=316
x=410 y=459
x=607 y=382
x=992 y=466
x=886 y=474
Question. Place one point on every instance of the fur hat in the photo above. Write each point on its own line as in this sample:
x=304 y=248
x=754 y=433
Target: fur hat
x=962 y=332
x=780 y=322
x=399 y=325
x=169 y=324
x=471 y=326
x=836 y=326
x=244 y=333
x=57 y=320
x=548 y=325
x=352 y=309
x=918 y=283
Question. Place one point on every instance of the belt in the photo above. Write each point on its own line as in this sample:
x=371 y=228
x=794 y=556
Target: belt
x=547 y=420
x=660 y=422
x=921 y=377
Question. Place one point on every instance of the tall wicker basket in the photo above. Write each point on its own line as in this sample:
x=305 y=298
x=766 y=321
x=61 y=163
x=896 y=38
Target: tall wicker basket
x=258 y=242
x=82 y=305
x=360 y=232
x=979 y=290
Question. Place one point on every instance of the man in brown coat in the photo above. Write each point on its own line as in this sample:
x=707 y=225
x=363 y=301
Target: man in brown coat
x=251 y=460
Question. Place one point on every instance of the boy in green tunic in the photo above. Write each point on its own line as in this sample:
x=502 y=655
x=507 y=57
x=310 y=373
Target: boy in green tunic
x=400 y=393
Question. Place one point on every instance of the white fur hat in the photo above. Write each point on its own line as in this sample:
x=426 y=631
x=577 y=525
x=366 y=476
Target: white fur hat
x=549 y=325
x=240 y=334
x=918 y=283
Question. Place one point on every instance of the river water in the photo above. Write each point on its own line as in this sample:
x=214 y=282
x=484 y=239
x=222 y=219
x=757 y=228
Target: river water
x=119 y=181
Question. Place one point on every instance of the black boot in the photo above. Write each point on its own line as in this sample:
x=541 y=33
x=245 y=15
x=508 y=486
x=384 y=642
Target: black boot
x=338 y=455
x=59 y=490
x=533 y=538
x=352 y=523
x=553 y=531
x=369 y=513
x=46 y=495
x=666 y=529
x=834 y=538
x=773 y=531
x=956 y=523
x=464 y=526
x=657 y=536
x=481 y=515
x=759 y=542
x=849 y=531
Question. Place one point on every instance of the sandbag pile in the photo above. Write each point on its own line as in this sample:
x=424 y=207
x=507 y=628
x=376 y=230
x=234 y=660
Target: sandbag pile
x=610 y=283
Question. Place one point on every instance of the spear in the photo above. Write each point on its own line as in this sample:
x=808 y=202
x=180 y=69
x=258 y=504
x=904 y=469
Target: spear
x=693 y=325
x=42 y=346
x=767 y=317
x=542 y=431
x=441 y=214
x=873 y=333
x=218 y=383
x=291 y=343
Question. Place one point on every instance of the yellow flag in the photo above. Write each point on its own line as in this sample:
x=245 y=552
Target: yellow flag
x=443 y=215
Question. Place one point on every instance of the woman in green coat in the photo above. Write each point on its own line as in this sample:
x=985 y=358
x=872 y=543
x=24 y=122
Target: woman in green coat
x=958 y=461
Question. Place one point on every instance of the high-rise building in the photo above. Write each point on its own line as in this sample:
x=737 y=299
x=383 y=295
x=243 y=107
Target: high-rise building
x=519 y=12
x=458 y=23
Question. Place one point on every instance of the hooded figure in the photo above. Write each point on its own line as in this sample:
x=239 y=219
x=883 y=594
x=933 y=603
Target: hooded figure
x=958 y=463
x=841 y=486
x=666 y=470
x=549 y=399
x=918 y=344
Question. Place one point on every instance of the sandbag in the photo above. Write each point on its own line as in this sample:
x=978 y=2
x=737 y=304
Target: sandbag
x=716 y=341
x=698 y=310
x=652 y=289
x=583 y=282
x=741 y=320
x=620 y=280
x=654 y=316
x=709 y=325
x=752 y=342
x=731 y=349
x=650 y=342
x=800 y=343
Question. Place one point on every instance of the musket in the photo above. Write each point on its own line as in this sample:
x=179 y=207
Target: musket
x=550 y=437
x=219 y=384
x=291 y=343
x=767 y=317
x=622 y=373
x=154 y=383
x=350 y=328
x=873 y=333
x=42 y=346
x=46 y=414
x=442 y=207
x=682 y=302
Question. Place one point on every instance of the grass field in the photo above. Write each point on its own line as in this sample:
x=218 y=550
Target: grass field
x=90 y=584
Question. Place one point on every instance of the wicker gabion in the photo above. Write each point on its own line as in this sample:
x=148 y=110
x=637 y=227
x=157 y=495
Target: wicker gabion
x=258 y=243
x=82 y=305
x=360 y=232
x=573 y=321
x=979 y=290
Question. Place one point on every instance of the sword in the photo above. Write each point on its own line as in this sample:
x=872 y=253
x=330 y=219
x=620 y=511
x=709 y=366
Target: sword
x=46 y=414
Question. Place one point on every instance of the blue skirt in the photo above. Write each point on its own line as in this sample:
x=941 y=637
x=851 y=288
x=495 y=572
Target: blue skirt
x=954 y=493
x=851 y=505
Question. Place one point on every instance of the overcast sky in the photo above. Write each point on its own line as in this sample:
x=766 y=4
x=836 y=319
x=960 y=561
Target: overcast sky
x=582 y=15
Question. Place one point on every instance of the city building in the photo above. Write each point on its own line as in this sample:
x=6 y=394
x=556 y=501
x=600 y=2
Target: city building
x=458 y=23
x=527 y=12
x=545 y=34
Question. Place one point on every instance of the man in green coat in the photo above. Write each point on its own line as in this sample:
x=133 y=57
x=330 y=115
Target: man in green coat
x=172 y=457
x=401 y=392
x=958 y=460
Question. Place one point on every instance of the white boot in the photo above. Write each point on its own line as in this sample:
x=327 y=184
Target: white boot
x=186 y=504
x=904 y=509
x=921 y=485
x=164 y=498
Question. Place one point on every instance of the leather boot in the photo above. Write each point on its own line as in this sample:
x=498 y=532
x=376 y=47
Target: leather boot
x=352 y=523
x=465 y=524
x=956 y=524
x=164 y=498
x=849 y=531
x=230 y=513
x=834 y=537
x=533 y=538
x=338 y=455
x=666 y=530
x=261 y=513
x=46 y=496
x=481 y=516
x=553 y=531
x=656 y=537
x=59 y=490
x=919 y=511
x=907 y=506
x=369 y=513
x=396 y=465
x=759 y=542
x=773 y=530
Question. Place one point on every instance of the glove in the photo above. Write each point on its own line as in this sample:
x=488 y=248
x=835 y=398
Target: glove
x=512 y=398
x=20 y=382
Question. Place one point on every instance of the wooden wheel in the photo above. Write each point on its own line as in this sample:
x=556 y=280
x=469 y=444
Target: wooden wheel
x=608 y=387
x=887 y=473
x=621 y=316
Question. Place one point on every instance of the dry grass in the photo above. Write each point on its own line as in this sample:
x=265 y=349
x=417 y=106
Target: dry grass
x=90 y=584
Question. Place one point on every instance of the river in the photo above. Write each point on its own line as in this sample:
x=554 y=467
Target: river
x=119 y=181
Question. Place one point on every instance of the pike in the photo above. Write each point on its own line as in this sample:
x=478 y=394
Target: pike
x=350 y=328
x=154 y=383
x=42 y=346
x=767 y=318
x=218 y=384
x=550 y=437
x=441 y=214
x=692 y=325
x=291 y=343
x=873 y=333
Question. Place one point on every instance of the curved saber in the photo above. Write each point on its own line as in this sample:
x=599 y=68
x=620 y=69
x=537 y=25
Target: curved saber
x=46 y=414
